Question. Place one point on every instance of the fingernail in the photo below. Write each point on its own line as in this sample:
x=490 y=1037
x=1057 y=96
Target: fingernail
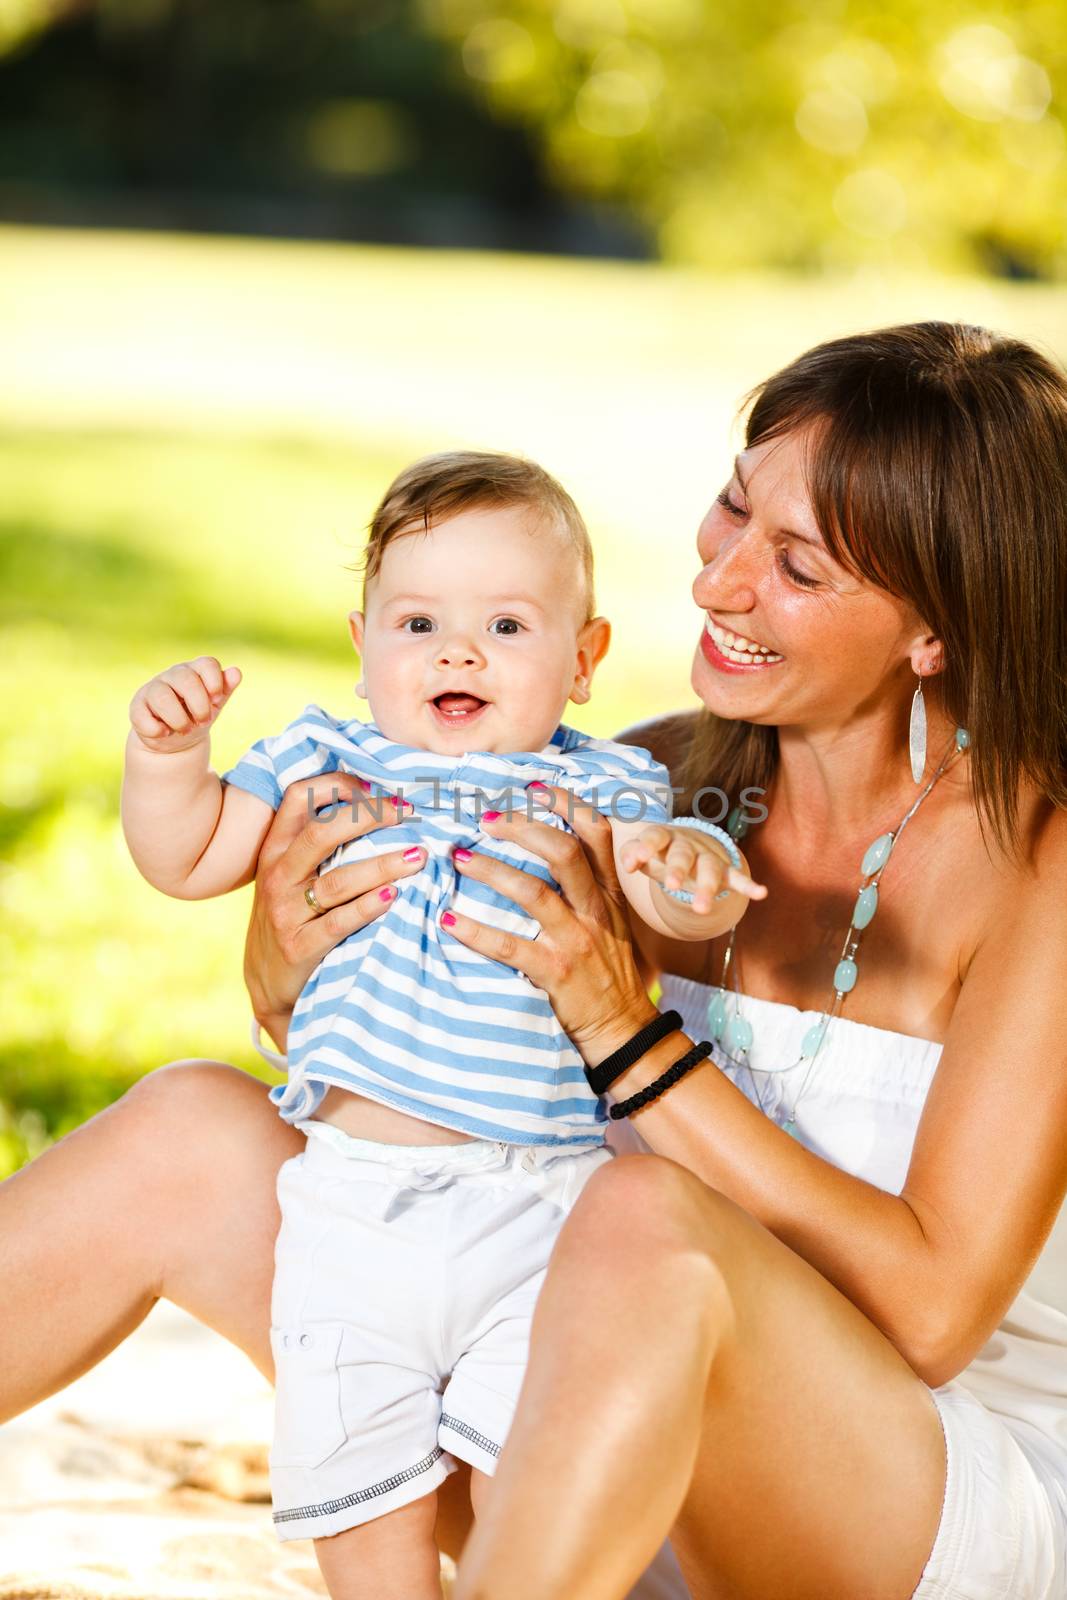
x=538 y=785
x=448 y=919
x=414 y=854
x=490 y=816
x=387 y=894
x=463 y=855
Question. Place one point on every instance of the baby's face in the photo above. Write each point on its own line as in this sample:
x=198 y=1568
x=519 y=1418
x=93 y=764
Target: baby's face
x=474 y=636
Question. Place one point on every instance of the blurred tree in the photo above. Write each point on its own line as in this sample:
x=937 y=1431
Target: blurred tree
x=735 y=132
x=796 y=135
x=329 y=118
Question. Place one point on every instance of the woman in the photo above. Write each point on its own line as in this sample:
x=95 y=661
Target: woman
x=898 y=512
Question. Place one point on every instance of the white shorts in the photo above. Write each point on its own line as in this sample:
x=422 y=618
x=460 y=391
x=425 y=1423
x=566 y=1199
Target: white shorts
x=404 y=1287
x=1000 y=1536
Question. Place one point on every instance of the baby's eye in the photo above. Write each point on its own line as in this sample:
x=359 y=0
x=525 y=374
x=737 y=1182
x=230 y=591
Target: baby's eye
x=417 y=625
x=505 y=627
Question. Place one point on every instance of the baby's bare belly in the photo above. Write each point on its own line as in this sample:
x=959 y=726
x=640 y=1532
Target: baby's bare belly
x=367 y=1119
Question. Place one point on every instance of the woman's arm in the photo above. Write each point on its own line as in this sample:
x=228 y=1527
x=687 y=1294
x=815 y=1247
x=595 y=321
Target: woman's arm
x=934 y=1267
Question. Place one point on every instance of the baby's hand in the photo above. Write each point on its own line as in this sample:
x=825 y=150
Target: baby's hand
x=176 y=709
x=677 y=858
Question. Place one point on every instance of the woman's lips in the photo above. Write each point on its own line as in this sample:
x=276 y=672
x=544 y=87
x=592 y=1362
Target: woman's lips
x=714 y=656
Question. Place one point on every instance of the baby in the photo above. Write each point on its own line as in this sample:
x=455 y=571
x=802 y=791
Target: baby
x=450 y=1124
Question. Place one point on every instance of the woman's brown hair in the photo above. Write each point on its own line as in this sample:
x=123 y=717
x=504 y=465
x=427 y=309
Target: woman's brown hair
x=938 y=470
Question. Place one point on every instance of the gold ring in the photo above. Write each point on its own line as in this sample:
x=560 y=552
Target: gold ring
x=313 y=900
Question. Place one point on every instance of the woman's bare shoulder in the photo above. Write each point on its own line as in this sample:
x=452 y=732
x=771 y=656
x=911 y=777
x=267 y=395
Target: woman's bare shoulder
x=667 y=738
x=1014 y=885
x=1044 y=849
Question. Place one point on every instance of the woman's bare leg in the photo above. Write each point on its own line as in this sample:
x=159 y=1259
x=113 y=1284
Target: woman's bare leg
x=687 y=1364
x=168 y=1193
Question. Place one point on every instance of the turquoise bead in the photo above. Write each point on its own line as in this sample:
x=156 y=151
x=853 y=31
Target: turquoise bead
x=845 y=975
x=865 y=907
x=738 y=1035
x=717 y=1015
x=963 y=739
x=736 y=824
x=813 y=1038
x=790 y=1128
x=876 y=854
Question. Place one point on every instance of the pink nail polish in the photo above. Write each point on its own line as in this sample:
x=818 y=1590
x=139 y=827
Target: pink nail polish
x=490 y=816
x=448 y=919
x=538 y=785
x=387 y=894
x=463 y=855
x=414 y=854
x=395 y=800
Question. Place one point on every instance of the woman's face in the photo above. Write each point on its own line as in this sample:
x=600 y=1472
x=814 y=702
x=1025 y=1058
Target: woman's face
x=790 y=637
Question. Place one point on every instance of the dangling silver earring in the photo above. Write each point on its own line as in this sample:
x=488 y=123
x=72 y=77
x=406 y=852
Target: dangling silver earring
x=917 y=733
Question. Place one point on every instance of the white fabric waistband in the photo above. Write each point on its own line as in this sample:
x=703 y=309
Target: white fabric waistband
x=446 y=1160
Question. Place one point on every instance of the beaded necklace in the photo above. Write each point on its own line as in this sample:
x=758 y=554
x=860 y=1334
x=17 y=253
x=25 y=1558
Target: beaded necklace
x=734 y=1032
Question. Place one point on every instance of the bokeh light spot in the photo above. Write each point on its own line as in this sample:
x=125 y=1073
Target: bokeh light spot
x=872 y=202
x=498 y=51
x=586 y=24
x=983 y=75
x=359 y=138
x=833 y=120
x=614 y=105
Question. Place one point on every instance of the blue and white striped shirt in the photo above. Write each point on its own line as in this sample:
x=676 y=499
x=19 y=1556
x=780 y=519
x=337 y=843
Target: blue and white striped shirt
x=401 y=1012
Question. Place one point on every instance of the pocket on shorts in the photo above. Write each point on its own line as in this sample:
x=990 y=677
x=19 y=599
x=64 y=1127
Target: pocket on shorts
x=308 y=1423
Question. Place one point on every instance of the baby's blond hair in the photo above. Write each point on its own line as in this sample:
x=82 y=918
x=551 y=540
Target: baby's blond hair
x=440 y=486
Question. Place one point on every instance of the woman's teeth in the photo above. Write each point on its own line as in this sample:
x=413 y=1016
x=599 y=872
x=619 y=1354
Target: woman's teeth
x=736 y=648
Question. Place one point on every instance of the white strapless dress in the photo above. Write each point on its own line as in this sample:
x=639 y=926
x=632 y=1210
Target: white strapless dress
x=860 y=1110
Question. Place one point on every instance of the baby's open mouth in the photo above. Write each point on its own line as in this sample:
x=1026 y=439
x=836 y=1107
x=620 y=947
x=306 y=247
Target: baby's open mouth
x=458 y=708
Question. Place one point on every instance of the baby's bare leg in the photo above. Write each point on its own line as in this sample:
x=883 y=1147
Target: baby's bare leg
x=394 y=1557
x=168 y=1193
x=454 y=1509
x=480 y=1488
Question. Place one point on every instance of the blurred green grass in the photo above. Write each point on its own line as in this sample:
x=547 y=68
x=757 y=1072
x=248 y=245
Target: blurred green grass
x=119 y=554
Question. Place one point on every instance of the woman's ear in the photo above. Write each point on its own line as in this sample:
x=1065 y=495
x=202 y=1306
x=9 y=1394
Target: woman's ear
x=356 y=627
x=593 y=641
x=927 y=656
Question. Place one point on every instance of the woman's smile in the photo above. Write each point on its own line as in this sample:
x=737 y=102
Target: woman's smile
x=733 y=652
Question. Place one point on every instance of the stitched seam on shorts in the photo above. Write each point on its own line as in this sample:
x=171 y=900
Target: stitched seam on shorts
x=361 y=1496
x=309 y=1260
x=472 y=1435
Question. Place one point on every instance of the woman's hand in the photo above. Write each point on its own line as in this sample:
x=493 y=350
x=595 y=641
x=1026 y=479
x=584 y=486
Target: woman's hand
x=582 y=956
x=287 y=938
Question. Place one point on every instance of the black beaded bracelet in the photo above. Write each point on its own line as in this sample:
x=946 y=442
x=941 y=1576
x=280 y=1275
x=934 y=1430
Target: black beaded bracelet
x=602 y=1077
x=652 y=1091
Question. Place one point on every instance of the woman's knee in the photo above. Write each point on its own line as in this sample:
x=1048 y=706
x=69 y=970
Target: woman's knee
x=643 y=1209
x=192 y=1082
x=201 y=1125
x=651 y=1194
x=191 y=1093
